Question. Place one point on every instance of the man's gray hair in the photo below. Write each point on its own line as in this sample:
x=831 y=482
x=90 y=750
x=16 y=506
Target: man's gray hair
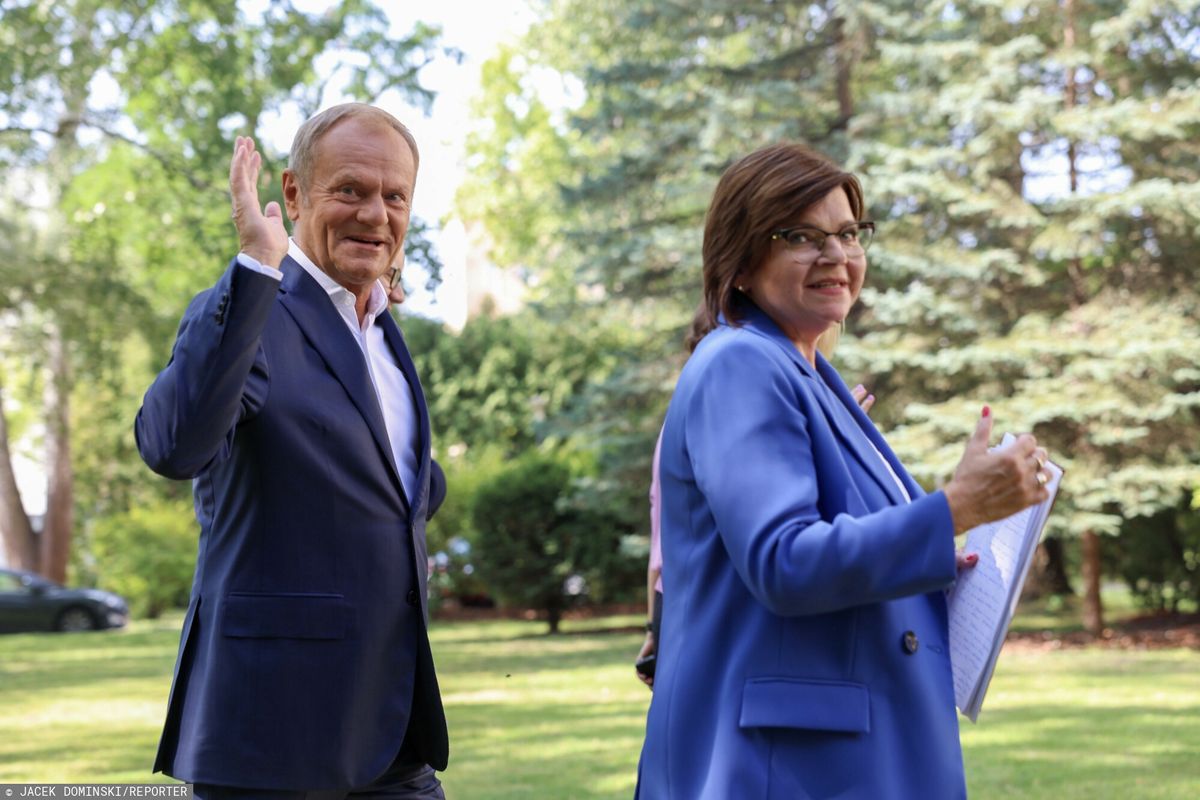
x=303 y=154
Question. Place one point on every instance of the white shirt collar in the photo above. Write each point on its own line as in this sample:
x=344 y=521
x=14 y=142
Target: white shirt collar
x=342 y=298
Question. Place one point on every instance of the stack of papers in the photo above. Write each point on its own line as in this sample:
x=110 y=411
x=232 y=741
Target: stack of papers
x=983 y=600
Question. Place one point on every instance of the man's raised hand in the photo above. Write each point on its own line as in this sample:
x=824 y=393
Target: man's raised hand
x=261 y=234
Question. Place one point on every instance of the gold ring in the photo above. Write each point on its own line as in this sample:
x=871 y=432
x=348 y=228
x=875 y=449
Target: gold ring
x=1041 y=460
x=1041 y=478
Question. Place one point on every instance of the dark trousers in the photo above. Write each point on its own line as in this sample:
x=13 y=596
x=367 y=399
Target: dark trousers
x=408 y=778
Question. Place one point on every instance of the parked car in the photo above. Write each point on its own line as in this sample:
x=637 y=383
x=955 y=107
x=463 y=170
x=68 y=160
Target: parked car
x=29 y=602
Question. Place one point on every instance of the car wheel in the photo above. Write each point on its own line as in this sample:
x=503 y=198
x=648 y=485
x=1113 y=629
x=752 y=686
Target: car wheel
x=75 y=619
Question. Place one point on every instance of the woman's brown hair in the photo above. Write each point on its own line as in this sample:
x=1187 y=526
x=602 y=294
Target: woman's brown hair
x=757 y=195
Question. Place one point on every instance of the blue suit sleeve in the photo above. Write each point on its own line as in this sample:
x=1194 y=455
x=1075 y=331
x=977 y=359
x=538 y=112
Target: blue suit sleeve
x=752 y=454
x=189 y=413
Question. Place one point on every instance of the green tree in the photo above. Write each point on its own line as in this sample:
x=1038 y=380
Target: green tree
x=1040 y=220
x=1032 y=166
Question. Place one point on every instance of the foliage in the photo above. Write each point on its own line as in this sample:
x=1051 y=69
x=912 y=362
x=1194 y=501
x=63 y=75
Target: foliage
x=535 y=548
x=525 y=540
x=1158 y=556
x=501 y=380
x=451 y=534
x=505 y=385
x=147 y=555
x=1032 y=166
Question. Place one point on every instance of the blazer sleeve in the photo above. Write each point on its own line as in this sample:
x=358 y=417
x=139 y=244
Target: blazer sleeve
x=751 y=450
x=189 y=413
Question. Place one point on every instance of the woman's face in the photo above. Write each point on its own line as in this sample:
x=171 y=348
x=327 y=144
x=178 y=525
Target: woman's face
x=803 y=290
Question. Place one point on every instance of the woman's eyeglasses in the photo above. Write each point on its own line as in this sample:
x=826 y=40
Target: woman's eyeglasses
x=854 y=239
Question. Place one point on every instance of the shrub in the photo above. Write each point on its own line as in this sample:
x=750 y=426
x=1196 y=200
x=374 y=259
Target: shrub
x=147 y=555
x=1159 y=558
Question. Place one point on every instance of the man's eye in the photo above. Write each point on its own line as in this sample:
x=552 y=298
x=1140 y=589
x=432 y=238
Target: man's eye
x=348 y=190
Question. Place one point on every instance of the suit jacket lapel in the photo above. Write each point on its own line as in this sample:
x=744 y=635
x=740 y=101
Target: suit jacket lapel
x=326 y=331
x=395 y=340
x=845 y=416
x=853 y=414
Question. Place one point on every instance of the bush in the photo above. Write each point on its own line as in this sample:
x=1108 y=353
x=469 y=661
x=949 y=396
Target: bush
x=451 y=534
x=526 y=548
x=147 y=555
x=1159 y=558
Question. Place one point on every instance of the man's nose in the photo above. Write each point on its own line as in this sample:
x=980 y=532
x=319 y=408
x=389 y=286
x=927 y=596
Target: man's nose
x=372 y=211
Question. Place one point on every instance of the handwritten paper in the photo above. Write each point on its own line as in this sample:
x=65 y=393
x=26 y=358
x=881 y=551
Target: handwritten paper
x=984 y=599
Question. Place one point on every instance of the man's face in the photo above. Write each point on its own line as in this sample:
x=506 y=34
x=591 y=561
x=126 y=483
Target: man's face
x=352 y=217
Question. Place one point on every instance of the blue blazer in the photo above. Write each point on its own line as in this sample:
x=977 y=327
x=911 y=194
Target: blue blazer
x=304 y=656
x=805 y=650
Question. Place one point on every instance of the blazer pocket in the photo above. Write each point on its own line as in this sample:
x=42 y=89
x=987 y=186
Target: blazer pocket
x=246 y=615
x=806 y=704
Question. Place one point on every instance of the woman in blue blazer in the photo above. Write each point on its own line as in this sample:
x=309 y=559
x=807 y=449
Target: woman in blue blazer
x=805 y=649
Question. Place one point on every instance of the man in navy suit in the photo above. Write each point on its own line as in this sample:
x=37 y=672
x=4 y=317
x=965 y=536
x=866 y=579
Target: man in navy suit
x=291 y=401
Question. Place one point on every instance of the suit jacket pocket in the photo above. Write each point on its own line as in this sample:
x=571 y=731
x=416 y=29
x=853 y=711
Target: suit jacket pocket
x=284 y=616
x=806 y=704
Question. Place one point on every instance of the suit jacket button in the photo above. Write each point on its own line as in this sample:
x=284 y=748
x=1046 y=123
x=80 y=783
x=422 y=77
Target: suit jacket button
x=909 y=642
x=412 y=597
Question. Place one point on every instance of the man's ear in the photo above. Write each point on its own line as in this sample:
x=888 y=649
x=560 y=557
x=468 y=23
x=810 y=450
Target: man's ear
x=291 y=194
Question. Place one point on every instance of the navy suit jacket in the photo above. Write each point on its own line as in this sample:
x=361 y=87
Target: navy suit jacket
x=805 y=646
x=304 y=656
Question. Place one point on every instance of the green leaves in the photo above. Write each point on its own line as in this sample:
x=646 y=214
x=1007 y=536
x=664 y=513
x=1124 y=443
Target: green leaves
x=1033 y=172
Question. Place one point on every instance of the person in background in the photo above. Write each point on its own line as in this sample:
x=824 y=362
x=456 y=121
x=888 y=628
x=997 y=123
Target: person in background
x=647 y=657
x=804 y=650
x=292 y=403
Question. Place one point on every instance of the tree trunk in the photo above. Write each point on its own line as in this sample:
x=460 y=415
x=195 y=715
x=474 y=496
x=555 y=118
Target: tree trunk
x=1079 y=291
x=844 y=67
x=20 y=550
x=1093 y=608
x=1048 y=575
x=56 y=532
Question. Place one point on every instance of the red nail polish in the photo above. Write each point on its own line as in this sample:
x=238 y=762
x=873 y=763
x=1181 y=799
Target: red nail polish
x=971 y=559
x=987 y=412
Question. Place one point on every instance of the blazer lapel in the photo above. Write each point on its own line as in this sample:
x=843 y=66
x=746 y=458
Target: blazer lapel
x=395 y=340
x=326 y=331
x=851 y=414
x=849 y=423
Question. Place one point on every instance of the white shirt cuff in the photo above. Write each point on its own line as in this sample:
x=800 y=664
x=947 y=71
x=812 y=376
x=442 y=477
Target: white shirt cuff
x=252 y=263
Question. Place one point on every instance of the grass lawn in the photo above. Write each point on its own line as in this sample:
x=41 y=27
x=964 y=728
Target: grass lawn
x=542 y=718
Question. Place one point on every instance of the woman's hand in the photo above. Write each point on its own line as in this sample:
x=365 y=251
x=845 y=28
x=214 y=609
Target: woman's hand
x=864 y=400
x=989 y=486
